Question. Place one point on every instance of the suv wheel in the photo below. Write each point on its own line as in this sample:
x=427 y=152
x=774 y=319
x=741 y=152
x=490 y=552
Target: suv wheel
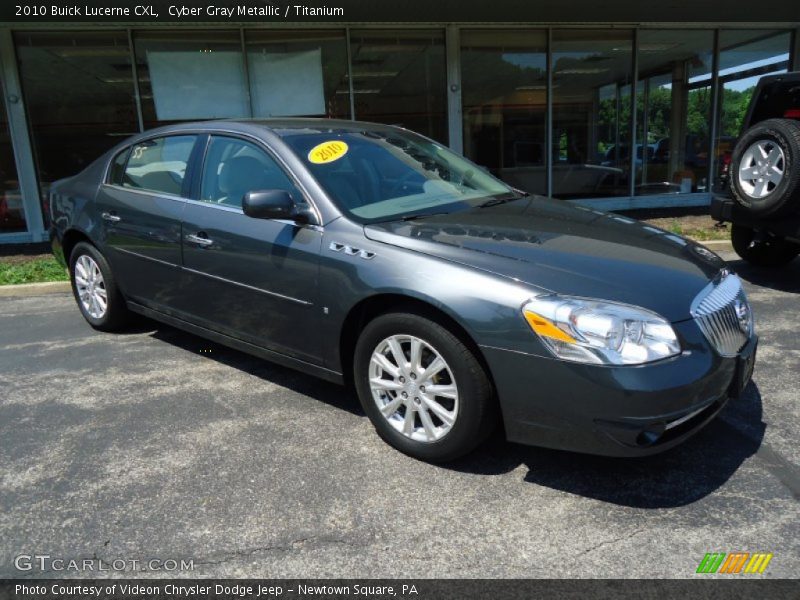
x=765 y=167
x=423 y=389
x=770 y=252
x=95 y=289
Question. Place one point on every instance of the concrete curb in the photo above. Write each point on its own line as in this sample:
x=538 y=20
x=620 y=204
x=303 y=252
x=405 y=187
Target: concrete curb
x=717 y=245
x=35 y=289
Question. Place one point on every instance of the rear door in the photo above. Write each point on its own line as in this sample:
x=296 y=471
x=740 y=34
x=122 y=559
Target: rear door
x=141 y=206
x=253 y=279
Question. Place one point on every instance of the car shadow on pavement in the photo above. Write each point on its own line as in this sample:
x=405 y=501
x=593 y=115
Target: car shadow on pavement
x=784 y=279
x=673 y=478
x=296 y=381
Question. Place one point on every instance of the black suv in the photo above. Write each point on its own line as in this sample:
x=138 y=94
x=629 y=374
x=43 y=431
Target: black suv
x=764 y=176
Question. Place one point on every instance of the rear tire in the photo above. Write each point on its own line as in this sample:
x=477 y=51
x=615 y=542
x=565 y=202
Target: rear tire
x=95 y=289
x=455 y=394
x=771 y=252
x=764 y=172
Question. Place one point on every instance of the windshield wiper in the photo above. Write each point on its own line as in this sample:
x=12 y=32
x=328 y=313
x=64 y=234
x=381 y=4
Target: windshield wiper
x=503 y=200
x=423 y=215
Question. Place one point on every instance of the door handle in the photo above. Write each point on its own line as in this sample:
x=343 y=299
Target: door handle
x=107 y=216
x=200 y=240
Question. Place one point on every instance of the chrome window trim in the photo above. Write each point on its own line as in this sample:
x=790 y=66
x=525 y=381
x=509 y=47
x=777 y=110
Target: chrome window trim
x=145 y=192
x=211 y=204
x=233 y=209
x=307 y=196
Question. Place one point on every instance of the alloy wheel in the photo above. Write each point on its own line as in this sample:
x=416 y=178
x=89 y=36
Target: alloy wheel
x=761 y=169
x=414 y=388
x=91 y=287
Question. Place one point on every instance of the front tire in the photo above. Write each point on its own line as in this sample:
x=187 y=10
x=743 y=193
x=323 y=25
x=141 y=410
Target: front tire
x=95 y=289
x=771 y=252
x=423 y=389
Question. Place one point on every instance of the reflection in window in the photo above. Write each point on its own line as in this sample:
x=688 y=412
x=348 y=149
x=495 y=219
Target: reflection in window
x=233 y=167
x=298 y=73
x=591 y=112
x=745 y=56
x=79 y=94
x=190 y=75
x=504 y=95
x=674 y=110
x=399 y=79
x=12 y=215
x=159 y=165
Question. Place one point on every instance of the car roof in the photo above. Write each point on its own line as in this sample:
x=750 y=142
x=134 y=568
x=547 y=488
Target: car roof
x=279 y=126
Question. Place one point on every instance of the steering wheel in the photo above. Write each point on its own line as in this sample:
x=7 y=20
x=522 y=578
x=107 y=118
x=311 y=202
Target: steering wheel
x=401 y=182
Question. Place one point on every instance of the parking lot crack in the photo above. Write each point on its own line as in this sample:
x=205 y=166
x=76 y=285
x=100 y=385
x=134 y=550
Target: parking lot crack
x=609 y=542
x=289 y=546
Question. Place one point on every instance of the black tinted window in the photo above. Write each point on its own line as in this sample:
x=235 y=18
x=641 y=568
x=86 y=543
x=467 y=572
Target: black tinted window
x=159 y=165
x=234 y=167
x=776 y=99
x=117 y=171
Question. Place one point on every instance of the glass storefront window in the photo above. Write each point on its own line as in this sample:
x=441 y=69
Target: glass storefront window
x=674 y=110
x=504 y=97
x=745 y=56
x=190 y=75
x=298 y=73
x=399 y=78
x=591 y=112
x=79 y=95
x=12 y=215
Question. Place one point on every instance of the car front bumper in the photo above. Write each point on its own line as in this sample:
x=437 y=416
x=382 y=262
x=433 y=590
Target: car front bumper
x=614 y=411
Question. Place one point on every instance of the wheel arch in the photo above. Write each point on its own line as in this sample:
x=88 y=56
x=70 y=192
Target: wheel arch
x=70 y=239
x=378 y=304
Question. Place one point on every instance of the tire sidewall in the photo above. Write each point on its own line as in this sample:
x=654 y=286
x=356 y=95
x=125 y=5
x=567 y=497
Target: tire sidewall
x=775 y=252
x=473 y=388
x=781 y=199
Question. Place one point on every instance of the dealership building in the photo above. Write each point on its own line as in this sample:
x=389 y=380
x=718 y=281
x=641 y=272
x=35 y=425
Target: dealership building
x=615 y=115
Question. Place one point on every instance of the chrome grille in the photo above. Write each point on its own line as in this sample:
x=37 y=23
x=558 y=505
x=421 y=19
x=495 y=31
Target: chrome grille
x=724 y=315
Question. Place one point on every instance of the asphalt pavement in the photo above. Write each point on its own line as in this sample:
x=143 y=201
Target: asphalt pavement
x=156 y=444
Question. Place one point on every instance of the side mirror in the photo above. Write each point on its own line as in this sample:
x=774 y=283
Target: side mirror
x=273 y=204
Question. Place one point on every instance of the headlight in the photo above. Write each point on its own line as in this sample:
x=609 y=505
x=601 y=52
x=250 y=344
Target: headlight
x=603 y=333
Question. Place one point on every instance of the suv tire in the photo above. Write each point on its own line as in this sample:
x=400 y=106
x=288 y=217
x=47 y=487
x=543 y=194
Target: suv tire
x=771 y=252
x=765 y=168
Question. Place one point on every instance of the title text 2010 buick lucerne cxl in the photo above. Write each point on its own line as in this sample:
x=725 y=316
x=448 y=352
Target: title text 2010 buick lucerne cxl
x=367 y=253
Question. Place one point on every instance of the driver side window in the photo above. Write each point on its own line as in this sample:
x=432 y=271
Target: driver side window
x=234 y=167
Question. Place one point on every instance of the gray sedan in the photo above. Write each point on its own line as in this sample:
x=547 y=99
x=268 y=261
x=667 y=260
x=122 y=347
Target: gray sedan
x=369 y=255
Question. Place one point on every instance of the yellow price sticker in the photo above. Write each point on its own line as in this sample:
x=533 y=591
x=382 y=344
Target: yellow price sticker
x=327 y=152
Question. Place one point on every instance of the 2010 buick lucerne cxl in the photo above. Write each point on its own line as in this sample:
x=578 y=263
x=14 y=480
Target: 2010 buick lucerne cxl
x=368 y=254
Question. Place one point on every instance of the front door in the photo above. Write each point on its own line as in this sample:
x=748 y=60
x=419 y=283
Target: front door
x=140 y=207
x=254 y=279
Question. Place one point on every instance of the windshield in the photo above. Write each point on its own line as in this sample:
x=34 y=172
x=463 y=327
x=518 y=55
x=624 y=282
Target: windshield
x=386 y=175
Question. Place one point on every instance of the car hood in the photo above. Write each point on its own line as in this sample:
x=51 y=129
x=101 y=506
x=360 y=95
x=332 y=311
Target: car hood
x=565 y=249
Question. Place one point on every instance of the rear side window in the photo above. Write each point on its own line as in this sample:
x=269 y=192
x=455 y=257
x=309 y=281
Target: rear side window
x=777 y=101
x=117 y=171
x=159 y=165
